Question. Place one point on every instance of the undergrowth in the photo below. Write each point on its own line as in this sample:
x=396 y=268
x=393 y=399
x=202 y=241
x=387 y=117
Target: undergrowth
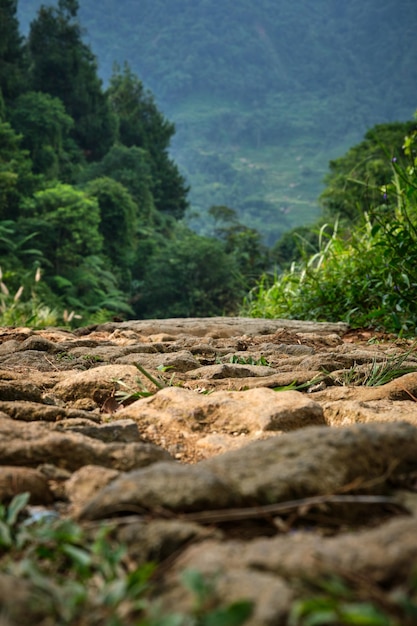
x=349 y=600
x=365 y=275
x=78 y=577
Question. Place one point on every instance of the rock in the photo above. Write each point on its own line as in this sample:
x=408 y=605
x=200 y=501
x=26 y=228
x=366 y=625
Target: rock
x=162 y=486
x=378 y=554
x=291 y=466
x=34 y=411
x=84 y=483
x=9 y=347
x=230 y=371
x=157 y=540
x=303 y=379
x=19 y=390
x=226 y=411
x=31 y=444
x=14 y=480
x=295 y=349
x=345 y=412
x=217 y=327
x=98 y=383
x=124 y=431
x=181 y=361
x=402 y=388
x=258 y=569
x=38 y=343
x=222 y=568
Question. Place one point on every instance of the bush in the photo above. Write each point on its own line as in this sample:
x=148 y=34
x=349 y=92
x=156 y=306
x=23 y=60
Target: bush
x=366 y=276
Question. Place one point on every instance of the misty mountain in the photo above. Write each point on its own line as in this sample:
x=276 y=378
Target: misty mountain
x=262 y=94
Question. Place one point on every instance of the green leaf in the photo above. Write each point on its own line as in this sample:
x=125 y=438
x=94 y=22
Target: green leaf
x=195 y=582
x=5 y=535
x=364 y=615
x=233 y=615
x=320 y=618
x=16 y=506
x=80 y=557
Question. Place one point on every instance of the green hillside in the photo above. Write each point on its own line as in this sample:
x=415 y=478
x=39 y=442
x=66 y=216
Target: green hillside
x=262 y=94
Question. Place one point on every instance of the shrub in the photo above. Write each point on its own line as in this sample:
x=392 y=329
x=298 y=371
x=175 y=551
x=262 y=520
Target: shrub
x=366 y=276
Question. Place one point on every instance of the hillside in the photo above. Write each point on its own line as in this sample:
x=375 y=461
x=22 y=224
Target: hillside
x=263 y=95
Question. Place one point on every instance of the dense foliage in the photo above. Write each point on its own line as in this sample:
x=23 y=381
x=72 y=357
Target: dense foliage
x=363 y=272
x=91 y=202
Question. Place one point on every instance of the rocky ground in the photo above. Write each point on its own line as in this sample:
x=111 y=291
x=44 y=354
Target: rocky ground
x=265 y=452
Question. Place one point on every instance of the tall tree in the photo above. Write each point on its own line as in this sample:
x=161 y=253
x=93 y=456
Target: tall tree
x=118 y=225
x=189 y=276
x=141 y=124
x=69 y=222
x=45 y=126
x=12 y=57
x=64 y=66
x=16 y=177
x=130 y=167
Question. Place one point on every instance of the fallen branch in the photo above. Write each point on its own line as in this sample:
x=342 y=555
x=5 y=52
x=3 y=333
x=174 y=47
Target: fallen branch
x=268 y=510
x=239 y=514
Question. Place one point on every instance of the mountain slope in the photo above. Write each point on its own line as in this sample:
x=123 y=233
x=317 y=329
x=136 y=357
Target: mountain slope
x=264 y=94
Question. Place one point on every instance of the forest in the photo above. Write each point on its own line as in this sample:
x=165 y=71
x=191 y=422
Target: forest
x=93 y=207
x=262 y=94
x=92 y=204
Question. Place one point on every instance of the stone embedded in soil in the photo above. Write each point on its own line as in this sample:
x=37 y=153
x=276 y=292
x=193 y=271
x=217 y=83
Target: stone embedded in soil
x=227 y=370
x=19 y=390
x=161 y=486
x=15 y=480
x=66 y=437
x=317 y=461
x=266 y=472
x=158 y=539
x=218 y=327
x=84 y=483
x=181 y=361
x=345 y=412
x=30 y=444
x=271 y=596
x=378 y=556
x=259 y=409
x=38 y=412
x=122 y=431
x=98 y=383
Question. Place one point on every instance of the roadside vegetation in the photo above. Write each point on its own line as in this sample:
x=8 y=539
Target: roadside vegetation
x=359 y=264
